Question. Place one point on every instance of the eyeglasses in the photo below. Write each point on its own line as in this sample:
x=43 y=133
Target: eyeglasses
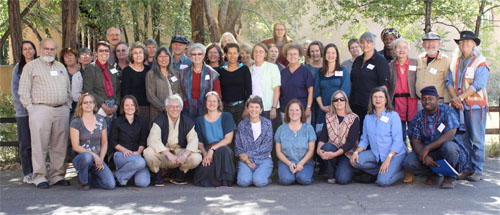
x=49 y=49
x=121 y=50
x=174 y=107
x=103 y=50
x=88 y=102
x=197 y=54
x=342 y=99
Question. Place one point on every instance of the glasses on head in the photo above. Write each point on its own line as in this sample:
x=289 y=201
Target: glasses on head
x=342 y=99
x=103 y=50
x=88 y=102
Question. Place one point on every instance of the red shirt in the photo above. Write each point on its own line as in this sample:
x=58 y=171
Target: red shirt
x=195 y=87
x=406 y=107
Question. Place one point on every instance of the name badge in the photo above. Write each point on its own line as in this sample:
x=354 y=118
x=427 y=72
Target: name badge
x=433 y=71
x=412 y=68
x=54 y=73
x=183 y=66
x=207 y=77
x=113 y=71
x=370 y=66
x=339 y=73
x=469 y=74
x=441 y=127
x=384 y=119
x=173 y=79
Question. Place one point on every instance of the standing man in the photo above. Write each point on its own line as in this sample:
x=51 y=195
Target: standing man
x=44 y=90
x=113 y=36
x=466 y=83
x=432 y=68
x=387 y=36
x=178 y=45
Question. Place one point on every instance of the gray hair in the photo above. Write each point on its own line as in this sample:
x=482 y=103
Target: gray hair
x=306 y=42
x=396 y=42
x=174 y=98
x=199 y=46
x=107 y=31
x=150 y=41
x=134 y=46
x=227 y=34
x=48 y=39
x=368 y=36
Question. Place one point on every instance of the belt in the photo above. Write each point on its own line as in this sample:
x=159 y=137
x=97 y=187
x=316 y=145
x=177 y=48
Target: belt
x=54 y=106
x=232 y=104
x=402 y=95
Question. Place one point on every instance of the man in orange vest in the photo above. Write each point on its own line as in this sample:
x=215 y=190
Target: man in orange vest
x=466 y=83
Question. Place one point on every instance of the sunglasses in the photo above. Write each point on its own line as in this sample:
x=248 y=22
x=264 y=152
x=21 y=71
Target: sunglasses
x=88 y=102
x=342 y=99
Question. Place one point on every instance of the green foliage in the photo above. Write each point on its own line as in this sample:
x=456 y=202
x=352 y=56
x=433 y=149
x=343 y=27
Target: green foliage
x=8 y=131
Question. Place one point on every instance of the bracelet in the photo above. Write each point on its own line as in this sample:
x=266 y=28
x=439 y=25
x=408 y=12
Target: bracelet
x=212 y=149
x=355 y=152
x=273 y=107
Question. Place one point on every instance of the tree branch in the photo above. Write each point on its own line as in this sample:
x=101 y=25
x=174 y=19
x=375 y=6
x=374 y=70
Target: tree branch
x=491 y=8
x=446 y=24
x=261 y=16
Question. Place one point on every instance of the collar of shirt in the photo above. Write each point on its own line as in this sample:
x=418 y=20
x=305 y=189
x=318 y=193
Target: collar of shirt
x=227 y=64
x=406 y=63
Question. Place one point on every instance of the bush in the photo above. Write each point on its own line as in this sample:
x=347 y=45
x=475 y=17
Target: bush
x=8 y=131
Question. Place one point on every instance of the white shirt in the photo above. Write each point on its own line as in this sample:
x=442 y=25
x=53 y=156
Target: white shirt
x=256 y=129
x=256 y=81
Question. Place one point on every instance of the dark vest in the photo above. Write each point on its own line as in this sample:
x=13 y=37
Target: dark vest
x=185 y=125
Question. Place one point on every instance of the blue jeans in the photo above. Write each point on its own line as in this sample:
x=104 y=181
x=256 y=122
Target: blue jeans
x=338 y=167
x=24 y=139
x=258 y=176
x=88 y=174
x=405 y=129
x=449 y=151
x=368 y=163
x=475 y=126
x=303 y=177
x=131 y=166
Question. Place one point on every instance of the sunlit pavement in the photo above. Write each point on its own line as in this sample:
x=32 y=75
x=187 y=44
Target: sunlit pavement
x=320 y=198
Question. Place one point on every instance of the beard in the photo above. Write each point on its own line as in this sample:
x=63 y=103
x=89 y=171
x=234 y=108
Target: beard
x=432 y=51
x=48 y=59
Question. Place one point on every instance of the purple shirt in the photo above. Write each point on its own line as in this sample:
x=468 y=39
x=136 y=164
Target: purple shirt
x=294 y=86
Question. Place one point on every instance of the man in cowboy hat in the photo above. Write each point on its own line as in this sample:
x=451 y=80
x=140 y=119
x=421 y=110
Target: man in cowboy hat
x=432 y=68
x=466 y=83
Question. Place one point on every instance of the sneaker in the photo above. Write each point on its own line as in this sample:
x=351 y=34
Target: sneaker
x=432 y=180
x=448 y=183
x=331 y=180
x=409 y=177
x=464 y=176
x=474 y=177
x=28 y=178
x=158 y=179
x=180 y=177
x=43 y=185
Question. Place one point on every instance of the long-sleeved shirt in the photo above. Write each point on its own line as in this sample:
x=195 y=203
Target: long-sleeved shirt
x=352 y=136
x=172 y=143
x=236 y=85
x=326 y=86
x=134 y=83
x=14 y=89
x=366 y=76
x=130 y=136
x=383 y=134
x=93 y=83
x=268 y=79
x=183 y=63
x=42 y=83
x=295 y=86
x=76 y=86
x=433 y=74
x=256 y=148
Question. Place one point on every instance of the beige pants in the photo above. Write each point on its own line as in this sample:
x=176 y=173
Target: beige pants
x=155 y=161
x=49 y=128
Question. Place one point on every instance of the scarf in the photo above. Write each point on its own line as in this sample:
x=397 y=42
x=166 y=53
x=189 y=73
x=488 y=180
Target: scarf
x=338 y=132
x=108 y=85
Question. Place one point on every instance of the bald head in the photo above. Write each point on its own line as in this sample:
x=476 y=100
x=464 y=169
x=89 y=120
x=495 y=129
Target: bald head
x=113 y=35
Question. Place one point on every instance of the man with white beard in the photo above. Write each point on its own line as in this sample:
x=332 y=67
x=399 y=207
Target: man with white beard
x=44 y=90
x=432 y=69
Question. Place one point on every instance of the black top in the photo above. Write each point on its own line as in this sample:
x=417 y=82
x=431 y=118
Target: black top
x=352 y=136
x=364 y=77
x=134 y=83
x=130 y=136
x=387 y=57
x=236 y=85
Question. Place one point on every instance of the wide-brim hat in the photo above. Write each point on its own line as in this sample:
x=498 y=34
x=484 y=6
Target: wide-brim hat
x=468 y=35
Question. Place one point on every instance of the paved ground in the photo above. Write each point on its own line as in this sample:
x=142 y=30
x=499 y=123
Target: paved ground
x=320 y=198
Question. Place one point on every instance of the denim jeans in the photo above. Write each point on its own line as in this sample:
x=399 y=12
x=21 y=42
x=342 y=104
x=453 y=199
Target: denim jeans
x=338 y=167
x=131 y=166
x=405 y=129
x=474 y=139
x=303 y=177
x=88 y=174
x=368 y=163
x=258 y=176
x=449 y=151
x=24 y=139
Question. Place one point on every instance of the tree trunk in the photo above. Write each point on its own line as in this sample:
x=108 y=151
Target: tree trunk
x=478 y=20
x=428 y=10
x=233 y=17
x=16 y=34
x=213 y=25
x=146 y=20
x=155 y=19
x=70 y=16
x=197 y=22
x=30 y=25
x=135 y=23
x=25 y=11
x=222 y=14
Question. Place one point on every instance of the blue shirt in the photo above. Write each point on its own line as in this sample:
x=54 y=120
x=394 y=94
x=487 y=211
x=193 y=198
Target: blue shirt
x=383 y=134
x=447 y=117
x=184 y=62
x=314 y=71
x=295 y=145
x=326 y=86
x=295 y=85
x=479 y=83
x=14 y=89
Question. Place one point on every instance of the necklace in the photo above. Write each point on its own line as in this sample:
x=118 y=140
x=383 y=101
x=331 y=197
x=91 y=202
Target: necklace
x=435 y=122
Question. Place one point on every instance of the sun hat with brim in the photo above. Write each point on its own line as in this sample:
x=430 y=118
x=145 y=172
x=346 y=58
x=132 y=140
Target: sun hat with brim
x=468 y=35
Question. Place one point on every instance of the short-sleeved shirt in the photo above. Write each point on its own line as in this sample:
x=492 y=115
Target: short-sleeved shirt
x=428 y=134
x=366 y=76
x=213 y=131
x=295 y=145
x=294 y=85
x=90 y=140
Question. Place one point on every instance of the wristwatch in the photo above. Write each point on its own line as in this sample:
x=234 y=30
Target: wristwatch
x=460 y=98
x=390 y=155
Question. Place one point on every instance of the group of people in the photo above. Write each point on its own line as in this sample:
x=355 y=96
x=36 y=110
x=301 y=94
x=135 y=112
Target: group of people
x=231 y=113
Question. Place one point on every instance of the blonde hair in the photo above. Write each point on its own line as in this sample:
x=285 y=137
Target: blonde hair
x=219 y=101
x=78 y=109
x=347 y=106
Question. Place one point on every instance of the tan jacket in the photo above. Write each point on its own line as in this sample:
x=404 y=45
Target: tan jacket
x=433 y=74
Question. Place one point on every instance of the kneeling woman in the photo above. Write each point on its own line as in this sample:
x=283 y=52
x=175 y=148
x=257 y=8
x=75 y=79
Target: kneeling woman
x=90 y=143
x=128 y=136
x=254 y=142
x=215 y=132
x=295 y=141
x=382 y=131
x=338 y=138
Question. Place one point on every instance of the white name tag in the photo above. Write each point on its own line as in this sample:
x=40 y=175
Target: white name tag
x=441 y=127
x=433 y=71
x=207 y=77
x=183 y=66
x=412 y=68
x=54 y=73
x=384 y=119
x=469 y=74
x=370 y=66
x=113 y=71
x=173 y=79
x=339 y=73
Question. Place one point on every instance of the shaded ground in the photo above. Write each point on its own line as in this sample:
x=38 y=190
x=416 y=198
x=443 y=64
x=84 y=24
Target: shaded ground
x=320 y=198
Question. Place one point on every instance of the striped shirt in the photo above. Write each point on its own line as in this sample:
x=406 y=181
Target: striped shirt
x=42 y=83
